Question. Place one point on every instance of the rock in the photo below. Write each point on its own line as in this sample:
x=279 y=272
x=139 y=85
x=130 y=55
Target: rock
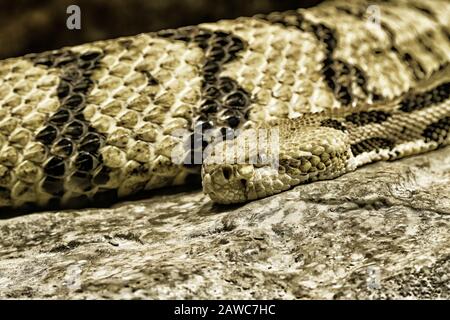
x=379 y=232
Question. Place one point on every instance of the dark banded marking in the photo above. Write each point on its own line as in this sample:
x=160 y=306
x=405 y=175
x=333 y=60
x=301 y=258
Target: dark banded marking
x=348 y=11
x=446 y=32
x=67 y=127
x=437 y=131
x=360 y=78
x=425 y=43
x=417 y=68
x=391 y=34
x=428 y=43
x=367 y=117
x=354 y=10
x=371 y=144
x=425 y=11
x=419 y=101
x=418 y=71
x=333 y=123
x=224 y=102
x=359 y=75
x=339 y=75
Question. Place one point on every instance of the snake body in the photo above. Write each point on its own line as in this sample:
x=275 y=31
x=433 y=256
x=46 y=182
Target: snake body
x=343 y=84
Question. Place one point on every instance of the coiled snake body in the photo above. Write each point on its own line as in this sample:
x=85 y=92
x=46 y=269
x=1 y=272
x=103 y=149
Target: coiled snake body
x=364 y=82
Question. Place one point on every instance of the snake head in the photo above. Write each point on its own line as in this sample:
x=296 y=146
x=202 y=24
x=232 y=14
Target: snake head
x=246 y=168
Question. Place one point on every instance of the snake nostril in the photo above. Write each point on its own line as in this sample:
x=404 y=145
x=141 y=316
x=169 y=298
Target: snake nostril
x=226 y=172
x=244 y=183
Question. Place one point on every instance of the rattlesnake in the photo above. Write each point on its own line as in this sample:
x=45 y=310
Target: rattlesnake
x=364 y=82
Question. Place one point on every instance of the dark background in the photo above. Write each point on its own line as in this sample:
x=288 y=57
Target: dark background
x=34 y=26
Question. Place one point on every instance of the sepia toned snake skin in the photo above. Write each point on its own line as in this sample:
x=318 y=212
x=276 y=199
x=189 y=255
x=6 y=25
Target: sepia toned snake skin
x=344 y=83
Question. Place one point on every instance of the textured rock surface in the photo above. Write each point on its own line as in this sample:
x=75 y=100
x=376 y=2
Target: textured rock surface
x=382 y=231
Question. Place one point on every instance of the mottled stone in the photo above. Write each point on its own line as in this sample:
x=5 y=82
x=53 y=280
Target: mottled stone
x=380 y=232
